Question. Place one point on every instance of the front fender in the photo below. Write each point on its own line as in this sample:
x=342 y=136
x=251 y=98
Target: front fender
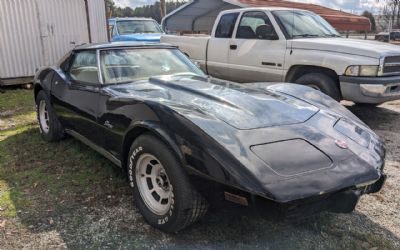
x=137 y=128
x=39 y=84
x=335 y=61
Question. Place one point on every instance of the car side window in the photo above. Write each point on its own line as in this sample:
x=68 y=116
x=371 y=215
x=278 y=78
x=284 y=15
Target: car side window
x=226 y=25
x=84 y=67
x=255 y=25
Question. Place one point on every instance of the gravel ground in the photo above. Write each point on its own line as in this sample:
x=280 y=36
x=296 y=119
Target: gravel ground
x=105 y=215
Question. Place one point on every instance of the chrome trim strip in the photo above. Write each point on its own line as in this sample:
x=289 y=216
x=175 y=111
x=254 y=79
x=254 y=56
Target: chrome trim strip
x=99 y=71
x=98 y=149
x=393 y=64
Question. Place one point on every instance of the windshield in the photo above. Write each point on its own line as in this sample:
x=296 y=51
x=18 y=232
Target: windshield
x=127 y=27
x=127 y=65
x=298 y=24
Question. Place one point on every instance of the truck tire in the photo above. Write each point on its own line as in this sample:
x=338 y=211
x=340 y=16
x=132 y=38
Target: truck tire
x=321 y=82
x=50 y=127
x=161 y=189
x=367 y=105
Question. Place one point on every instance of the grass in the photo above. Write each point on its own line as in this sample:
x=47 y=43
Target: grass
x=34 y=173
x=17 y=110
x=21 y=99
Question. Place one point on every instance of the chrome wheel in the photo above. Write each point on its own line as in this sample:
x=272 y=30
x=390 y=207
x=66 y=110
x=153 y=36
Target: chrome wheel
x=153 y=184
x=44 y=117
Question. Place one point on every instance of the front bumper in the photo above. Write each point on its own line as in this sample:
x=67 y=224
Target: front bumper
x=343 y=201
x=372 y=90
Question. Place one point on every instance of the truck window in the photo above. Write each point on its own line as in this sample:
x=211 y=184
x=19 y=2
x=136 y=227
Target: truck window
x=226 y=25
x=255 y=25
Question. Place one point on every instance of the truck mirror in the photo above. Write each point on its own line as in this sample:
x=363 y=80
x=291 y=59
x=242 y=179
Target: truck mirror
x=197 y=64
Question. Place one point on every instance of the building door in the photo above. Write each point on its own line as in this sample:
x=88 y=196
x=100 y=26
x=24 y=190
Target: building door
x=63 y=25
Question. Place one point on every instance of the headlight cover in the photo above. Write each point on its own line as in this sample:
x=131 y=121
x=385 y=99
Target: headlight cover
x=364 y=70
x=353 y=132
x=292 y=157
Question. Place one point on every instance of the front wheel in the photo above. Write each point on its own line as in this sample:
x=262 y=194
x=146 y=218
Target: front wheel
x=49 y=125
x=321 y=82
x=162 y=191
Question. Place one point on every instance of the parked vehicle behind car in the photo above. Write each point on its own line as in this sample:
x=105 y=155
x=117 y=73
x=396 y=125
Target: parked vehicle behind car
x=186 y=140
x=291 y=45
x=388 y=36
x=134 y=29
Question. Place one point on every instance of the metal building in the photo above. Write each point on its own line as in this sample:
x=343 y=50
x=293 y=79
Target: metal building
x=36 y=33
x=199 y=15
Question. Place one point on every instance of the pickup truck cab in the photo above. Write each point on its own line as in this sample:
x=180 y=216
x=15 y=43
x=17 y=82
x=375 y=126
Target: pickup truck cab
x=134 y=29
x=299 y=46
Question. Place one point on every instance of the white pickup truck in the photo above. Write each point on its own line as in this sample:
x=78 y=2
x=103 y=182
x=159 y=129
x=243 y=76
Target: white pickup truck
x=291 y=45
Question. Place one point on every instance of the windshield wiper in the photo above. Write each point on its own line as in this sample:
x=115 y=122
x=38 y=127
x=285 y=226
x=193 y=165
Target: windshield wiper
x=332 y=35
x=306 y=35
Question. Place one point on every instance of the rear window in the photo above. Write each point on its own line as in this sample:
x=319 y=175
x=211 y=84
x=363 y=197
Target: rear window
x=226 y=25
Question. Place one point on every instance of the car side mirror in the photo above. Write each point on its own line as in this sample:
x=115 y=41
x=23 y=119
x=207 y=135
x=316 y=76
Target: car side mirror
x=266 y=32
x=197 y=64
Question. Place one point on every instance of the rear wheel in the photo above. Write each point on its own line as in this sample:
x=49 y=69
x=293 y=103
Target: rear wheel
x=49 y=125
x=161 y=188
x=321 y=82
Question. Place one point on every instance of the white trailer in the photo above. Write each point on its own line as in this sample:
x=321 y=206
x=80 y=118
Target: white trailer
x=36 y=33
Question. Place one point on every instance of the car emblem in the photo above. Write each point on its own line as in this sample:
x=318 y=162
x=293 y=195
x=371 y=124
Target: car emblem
x=108 y=124
x=342 y=144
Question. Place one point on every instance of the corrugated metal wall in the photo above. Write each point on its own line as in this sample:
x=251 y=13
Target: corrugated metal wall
x=36 y=33
x=98 y=23
x=20 y=42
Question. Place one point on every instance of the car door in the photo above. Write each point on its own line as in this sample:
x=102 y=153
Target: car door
x=218 y=46
x=256 y=52
x=75 y=94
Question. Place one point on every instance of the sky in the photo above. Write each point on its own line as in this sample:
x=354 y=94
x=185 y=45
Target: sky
x=346 y=5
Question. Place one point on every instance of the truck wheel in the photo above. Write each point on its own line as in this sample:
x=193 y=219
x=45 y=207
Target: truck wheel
x=322 y=83
x=161 y=189
x=49 y=125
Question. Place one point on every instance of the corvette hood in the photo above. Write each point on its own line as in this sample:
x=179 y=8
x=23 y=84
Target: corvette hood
x=348 y=46
x=236 y=105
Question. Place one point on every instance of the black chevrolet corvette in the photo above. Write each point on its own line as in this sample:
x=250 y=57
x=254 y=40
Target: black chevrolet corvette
x=186 y=140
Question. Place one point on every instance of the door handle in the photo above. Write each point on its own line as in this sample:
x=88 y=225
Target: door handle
x=233 y=46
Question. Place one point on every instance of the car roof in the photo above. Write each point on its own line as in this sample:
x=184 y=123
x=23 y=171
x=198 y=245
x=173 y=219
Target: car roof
x=95 y=46
x=130 y=18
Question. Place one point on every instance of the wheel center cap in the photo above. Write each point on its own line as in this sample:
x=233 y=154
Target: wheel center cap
x=162 y=181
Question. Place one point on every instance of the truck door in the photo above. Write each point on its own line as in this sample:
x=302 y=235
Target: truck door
x=218 y=47
x=256 y=52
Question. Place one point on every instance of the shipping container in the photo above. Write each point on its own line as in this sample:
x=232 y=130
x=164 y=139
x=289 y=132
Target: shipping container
x=36 y=33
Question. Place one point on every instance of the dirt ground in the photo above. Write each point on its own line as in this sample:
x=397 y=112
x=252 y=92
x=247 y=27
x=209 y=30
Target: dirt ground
x=64 y=195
